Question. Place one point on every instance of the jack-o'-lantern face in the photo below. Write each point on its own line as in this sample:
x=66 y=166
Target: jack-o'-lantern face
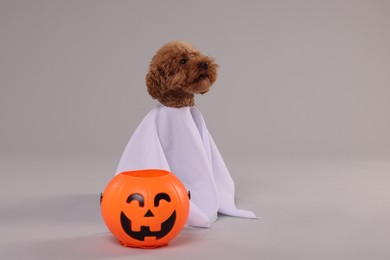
x=151 y=224
x=145 y=208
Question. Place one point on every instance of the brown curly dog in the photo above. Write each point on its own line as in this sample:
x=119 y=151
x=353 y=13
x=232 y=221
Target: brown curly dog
x=177 y=72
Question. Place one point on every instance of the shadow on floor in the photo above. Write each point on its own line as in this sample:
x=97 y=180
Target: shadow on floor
x=37 y=221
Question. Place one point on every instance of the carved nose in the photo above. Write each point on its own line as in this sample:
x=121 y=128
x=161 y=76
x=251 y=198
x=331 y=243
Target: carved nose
x=149 y=214
x=204 y=65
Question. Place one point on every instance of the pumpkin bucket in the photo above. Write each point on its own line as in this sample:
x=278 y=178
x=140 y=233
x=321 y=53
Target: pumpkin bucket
x=145 y=208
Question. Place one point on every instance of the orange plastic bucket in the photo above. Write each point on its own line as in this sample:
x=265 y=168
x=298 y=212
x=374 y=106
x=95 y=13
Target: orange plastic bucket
x=145 y=208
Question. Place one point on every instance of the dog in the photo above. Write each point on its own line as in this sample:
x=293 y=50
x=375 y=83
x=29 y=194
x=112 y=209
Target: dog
x=173 y=136
x=177 y=72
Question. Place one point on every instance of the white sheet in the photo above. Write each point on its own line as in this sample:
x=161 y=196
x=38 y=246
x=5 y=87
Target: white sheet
x=177 y=140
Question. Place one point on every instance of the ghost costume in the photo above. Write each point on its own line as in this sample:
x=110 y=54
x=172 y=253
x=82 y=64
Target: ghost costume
x=177 y=140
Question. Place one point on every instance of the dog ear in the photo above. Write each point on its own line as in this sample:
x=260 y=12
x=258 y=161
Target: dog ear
x=153 y=83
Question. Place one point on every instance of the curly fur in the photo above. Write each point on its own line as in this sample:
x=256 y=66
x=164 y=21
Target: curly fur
x=177 y=72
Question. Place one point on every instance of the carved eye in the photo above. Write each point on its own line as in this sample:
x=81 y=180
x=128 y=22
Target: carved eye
x=161 y=196
x=183 y=61
x=137 y=197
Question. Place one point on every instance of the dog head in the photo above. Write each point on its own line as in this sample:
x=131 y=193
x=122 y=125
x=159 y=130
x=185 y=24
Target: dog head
x=178 y=69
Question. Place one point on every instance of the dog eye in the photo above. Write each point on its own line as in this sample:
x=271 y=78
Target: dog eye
x=183 y=61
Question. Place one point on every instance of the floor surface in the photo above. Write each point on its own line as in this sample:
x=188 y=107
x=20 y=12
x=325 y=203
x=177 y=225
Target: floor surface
x=309 y=210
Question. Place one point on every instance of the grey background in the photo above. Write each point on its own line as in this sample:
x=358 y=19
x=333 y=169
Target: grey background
x=300 y=112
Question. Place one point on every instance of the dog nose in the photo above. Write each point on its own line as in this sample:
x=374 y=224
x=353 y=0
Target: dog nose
x=204 y=65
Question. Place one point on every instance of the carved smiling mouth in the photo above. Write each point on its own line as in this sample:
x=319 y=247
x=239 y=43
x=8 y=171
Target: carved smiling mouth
x=166 y=227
